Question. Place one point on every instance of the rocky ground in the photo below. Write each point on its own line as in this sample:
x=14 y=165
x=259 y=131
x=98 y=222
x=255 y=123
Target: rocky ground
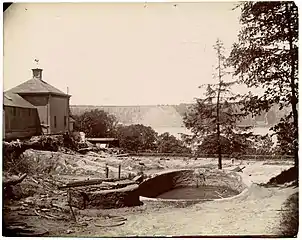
x=37 y=207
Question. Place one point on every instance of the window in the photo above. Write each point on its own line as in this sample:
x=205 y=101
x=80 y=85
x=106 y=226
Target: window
x=14 y=111
x=29 y=112
x=65 y=122
x=55 y=121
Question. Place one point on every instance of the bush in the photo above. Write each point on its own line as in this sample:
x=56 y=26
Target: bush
x=136 y=137
x=167 y=143
x=96 y=123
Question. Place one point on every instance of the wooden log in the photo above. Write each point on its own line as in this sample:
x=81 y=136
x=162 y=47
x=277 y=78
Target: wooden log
x=123 y=155
x=89 y=182
x=14 y=181
x=121 y=184
x=84 y=150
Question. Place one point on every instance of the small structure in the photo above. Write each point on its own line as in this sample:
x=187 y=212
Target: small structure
x=110 y=142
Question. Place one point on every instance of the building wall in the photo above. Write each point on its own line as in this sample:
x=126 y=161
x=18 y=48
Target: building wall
x=41 y=103
x=3 y=123
x=71 y=126
x=21 y=122
x=59 y=114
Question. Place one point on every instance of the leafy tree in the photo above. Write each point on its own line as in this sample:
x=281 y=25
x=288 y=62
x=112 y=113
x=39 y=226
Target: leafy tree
x=285 y=137
x=234 y=145
x=96 y=123
x=167 y=143
x=263 y=145
x=209 y=145
x=216 y=113
x=266 y=57
x=136 y=137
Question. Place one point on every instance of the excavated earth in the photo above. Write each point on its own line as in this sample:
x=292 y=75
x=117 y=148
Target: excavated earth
x=42 y=209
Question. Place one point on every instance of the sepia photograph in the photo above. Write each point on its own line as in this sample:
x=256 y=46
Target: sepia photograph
x=150 y=119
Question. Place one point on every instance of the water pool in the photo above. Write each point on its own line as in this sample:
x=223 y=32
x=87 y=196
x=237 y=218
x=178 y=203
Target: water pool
x=201 y=192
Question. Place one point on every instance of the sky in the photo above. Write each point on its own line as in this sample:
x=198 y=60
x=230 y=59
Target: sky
x=118 y=53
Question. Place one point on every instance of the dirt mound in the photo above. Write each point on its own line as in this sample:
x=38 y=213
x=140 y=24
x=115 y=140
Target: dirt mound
x=256 y=192
x=290 y=216
x=58 y=163
x=52 y=143
x=12 y=151
x=286 y=176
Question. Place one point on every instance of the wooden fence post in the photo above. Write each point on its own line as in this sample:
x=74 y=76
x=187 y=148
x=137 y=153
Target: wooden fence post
x=107 y=171
x=119 y=171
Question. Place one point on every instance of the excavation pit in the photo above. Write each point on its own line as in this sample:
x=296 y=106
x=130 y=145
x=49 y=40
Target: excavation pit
x=189 y=185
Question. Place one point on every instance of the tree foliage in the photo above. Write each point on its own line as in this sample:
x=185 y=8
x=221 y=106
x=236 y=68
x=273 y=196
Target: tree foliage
x=209 y=145
x=136 y=137
x=266 y=57
x=167 y=143
x=96 y=123
x=285 y=137
x=217 y=113
x=214 y=119
x=262 y=145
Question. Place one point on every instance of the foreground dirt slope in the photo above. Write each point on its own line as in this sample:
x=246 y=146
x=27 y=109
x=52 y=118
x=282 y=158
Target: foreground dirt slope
x=255 y=212
x=249 y=215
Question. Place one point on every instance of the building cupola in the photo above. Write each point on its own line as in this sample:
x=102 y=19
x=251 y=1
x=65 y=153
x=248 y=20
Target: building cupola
x=37 y=73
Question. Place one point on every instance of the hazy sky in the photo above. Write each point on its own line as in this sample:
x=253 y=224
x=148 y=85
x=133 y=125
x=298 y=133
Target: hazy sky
x=118 y=53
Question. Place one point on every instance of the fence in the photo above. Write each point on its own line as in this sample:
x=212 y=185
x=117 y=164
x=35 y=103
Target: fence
x=224 y=156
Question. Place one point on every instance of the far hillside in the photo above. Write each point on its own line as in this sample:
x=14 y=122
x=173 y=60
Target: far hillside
x=170 y=116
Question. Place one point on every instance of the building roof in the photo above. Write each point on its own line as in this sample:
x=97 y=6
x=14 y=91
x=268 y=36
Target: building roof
x=14 y=100
x=35 y=85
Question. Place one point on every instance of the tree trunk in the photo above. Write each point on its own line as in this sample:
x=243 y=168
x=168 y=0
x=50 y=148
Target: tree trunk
x=218 y=133
x=294 y=99
x=218 y=113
